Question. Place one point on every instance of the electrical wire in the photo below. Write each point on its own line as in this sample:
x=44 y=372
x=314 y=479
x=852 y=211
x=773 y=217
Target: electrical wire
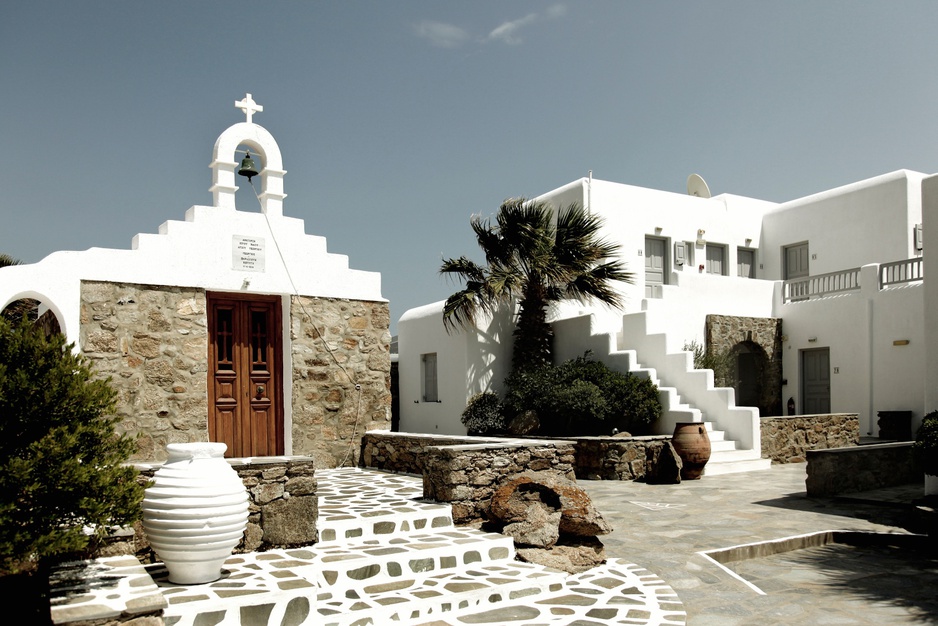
x=322 y=338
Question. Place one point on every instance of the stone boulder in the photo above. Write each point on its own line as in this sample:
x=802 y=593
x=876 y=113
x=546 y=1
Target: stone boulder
x=662 y=464
x=525 y=423
x=570 y=554
x=516 y=497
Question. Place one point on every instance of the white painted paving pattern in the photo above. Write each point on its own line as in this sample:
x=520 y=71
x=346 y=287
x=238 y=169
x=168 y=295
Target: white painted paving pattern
x=387 y=557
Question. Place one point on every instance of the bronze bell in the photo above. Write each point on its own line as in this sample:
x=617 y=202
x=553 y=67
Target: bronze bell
x=248 y=168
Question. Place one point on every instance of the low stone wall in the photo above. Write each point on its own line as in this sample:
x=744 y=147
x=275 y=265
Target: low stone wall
x=620 y=458
x=406 y=453
x=283 y=506
x=466 y=476
x=596 y=458
x=787 y=439
x=862 y=468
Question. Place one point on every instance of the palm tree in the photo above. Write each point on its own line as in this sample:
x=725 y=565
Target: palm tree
x=535 y=261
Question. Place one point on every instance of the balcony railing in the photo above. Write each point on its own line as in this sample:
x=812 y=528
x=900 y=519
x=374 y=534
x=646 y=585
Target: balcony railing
x=821 y=285
x=900 y=272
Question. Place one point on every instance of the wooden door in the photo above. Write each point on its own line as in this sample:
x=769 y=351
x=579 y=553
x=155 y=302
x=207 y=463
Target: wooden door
x=796 y=261
x=816 y=381
x=244 y=387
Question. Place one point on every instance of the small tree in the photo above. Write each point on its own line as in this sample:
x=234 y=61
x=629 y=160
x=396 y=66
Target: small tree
x=61 y=461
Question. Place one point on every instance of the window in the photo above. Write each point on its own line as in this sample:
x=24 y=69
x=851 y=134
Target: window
x=428 y=378
x=745 y=263
x=716 y=256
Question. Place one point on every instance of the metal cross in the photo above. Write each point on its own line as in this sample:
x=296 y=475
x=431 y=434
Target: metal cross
x=249 y=107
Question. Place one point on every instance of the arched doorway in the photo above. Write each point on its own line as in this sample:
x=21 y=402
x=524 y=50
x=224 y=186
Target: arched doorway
x=750 y=362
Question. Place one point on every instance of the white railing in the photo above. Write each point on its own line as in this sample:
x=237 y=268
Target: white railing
x=821 y=285
x=900 y=272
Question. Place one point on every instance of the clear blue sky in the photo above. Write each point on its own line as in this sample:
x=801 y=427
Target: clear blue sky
x=398 y=120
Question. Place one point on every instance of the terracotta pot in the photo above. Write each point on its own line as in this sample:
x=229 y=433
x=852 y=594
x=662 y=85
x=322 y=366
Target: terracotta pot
x=195 y=512
x=692 y=444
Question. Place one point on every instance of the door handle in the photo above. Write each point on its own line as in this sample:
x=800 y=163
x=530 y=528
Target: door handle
x=259 y=391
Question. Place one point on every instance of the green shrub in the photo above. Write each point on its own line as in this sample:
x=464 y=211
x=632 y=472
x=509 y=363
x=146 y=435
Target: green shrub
x=723 y=363
x=583 y=397
x=60 y=459
x=483 y=414
x=926 y=444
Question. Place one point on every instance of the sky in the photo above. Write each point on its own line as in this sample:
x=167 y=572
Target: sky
x=399 y=120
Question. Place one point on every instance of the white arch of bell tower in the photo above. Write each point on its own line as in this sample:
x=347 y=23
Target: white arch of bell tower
x=225 y=162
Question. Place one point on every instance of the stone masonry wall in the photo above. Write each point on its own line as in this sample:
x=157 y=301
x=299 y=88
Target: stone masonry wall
x=153 y=343
x=406 y=453
x=283 y=506
x=618 y=458
x=466 y=476
x=862 y=468
x=788 y=439
x=341 y=376
x=723 y=333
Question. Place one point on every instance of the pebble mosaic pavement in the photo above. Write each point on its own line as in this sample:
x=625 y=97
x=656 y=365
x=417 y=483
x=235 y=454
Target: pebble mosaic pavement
x=384 y=557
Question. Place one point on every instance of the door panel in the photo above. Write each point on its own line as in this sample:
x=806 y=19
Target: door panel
x=796 y=261
x=816 y=381
x=654 y=264
x=245 y=399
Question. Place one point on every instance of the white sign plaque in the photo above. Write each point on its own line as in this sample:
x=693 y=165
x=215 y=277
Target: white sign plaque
x=247 y=253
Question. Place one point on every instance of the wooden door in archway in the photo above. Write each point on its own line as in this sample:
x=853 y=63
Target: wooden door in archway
x=244 y=387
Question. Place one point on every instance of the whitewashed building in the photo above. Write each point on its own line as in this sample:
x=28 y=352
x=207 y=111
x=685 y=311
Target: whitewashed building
x=821 y=300
x=230 y=325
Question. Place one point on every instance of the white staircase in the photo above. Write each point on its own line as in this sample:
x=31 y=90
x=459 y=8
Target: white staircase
x=686 y=394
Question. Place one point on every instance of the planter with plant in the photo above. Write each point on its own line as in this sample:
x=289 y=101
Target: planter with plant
x=926 y=451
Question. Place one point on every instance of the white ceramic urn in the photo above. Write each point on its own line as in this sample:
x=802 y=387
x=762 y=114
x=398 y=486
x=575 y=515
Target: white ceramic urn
x=195 y=512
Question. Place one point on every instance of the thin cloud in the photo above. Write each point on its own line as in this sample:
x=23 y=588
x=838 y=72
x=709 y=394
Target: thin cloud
x=441 y=34
x=509 y=32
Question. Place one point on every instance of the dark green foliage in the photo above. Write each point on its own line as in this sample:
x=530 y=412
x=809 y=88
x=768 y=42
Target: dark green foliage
x=583 y=397
x=483 y=414
x=60 y=458
x=926 y=444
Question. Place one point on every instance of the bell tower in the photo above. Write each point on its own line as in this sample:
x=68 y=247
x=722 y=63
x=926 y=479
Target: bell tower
x=263 y=147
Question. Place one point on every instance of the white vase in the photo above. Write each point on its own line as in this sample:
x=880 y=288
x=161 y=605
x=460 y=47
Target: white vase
x=195 y=512
x=931 y=485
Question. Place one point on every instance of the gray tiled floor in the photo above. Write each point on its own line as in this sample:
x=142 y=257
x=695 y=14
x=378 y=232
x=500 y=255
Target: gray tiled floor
x=664 y=528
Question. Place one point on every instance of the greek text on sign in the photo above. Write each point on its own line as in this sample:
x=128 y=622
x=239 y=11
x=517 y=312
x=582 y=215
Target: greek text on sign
x=247 y=253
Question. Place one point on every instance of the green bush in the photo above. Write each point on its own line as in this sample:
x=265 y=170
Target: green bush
x=61 y=469
x=583 y=397
x=723 y=364
x=483 y=414
x=926 y=444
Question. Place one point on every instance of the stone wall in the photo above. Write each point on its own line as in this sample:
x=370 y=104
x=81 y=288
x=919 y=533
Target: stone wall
x=625 y=458
x=788 y=439
x=283 y=506
x=848 y=470
x=596 y=458
x=466 y=476
x=341 y=376
x=153 y=343
x=760 y=335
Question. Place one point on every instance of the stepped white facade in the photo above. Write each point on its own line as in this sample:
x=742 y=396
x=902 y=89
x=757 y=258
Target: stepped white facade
x=821 y=300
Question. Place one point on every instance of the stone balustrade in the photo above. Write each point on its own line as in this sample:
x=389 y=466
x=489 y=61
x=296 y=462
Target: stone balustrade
x=787 y=439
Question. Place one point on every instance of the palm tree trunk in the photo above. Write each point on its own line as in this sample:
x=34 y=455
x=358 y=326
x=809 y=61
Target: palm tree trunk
x=534 y=337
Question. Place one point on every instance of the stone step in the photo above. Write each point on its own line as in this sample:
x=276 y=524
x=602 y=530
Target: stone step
x=343 y=566
x=731 y=462
x=337 y=526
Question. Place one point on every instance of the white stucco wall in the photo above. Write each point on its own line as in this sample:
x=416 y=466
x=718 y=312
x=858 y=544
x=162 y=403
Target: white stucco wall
x=469 y=362
x=861 y=224
x=870 y=221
